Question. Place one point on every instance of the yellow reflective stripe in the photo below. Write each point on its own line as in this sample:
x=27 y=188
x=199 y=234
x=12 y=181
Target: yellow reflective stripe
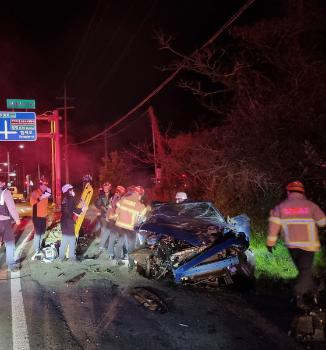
x=124 y=225
x=129 y=202
x=275 y=219
x=304 y=243
x=321 y=222
x=272 y=238
x=129 y=210
x=297 y=221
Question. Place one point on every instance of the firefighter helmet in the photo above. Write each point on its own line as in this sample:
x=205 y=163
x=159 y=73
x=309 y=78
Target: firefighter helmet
x=295 y=186
x=66 y=188
x=181 y=196
x=43 y=181
x=139 y=189
x=120 y=189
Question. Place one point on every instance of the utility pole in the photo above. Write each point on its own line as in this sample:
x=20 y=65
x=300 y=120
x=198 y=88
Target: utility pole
x=157 y=146
x=54 y=136
x=106 y=150
x=65 y=121
x=8 y=165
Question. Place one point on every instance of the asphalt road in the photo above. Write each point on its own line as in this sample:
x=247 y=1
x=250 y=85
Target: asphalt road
x=90 y=305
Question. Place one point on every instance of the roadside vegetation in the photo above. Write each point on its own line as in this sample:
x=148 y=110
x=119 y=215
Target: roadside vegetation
x=264 y=86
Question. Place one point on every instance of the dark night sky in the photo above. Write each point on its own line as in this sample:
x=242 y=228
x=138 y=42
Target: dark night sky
x=107 y=53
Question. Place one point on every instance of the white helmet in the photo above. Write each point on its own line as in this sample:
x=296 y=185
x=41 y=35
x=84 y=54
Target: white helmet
x=181 y=196
x=66 y=188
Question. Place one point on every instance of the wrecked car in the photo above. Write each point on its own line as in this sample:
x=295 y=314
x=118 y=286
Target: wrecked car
x=193 y=243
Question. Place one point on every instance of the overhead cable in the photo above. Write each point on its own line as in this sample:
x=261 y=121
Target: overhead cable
x=172 y=76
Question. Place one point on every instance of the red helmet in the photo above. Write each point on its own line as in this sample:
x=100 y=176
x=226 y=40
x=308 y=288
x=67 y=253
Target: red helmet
x=295 y=186
x=139 y=189
x=120 y=189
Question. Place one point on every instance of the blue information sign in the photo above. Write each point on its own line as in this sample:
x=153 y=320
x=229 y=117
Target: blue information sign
x=18 y=126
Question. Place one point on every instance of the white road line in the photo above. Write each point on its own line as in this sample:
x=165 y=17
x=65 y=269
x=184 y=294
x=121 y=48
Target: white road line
x=19 y=327
x=19 y=249
x=18 y=319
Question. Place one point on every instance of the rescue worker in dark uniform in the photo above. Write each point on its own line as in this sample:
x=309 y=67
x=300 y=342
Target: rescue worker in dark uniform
x=299 y=220
x=102 y=203
x=68 y=210
x=7 y=213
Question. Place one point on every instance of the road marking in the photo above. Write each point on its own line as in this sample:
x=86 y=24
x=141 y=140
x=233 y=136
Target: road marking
x=18 y=319
x=19 y=249
x=19 y=327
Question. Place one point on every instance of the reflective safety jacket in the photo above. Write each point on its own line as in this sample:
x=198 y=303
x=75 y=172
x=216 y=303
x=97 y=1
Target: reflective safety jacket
x=298 y=218
x=111 y=213
x=39 y=204
x=129 y=211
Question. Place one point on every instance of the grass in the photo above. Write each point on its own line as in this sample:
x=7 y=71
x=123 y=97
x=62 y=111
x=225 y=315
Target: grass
x=275 y=266
x=279 y=265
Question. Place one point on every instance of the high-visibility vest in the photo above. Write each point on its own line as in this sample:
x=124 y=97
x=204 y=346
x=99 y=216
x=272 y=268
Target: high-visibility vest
x=129 y=211
x=39 y=206
x=297 y=218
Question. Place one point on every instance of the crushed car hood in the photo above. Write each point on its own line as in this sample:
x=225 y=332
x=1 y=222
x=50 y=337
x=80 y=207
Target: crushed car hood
x=197 y=223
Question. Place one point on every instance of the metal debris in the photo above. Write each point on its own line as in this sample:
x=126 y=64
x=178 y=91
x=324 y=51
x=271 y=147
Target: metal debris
x=149 y=299
x=309 y=327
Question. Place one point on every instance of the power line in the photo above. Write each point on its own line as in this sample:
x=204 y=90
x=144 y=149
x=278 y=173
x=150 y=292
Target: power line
x=74 y=63
x=111 y=127
x=172 y=76
x=123 y=54
x=113 y=38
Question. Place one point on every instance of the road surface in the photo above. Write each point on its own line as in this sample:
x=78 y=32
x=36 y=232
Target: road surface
x=41 y=309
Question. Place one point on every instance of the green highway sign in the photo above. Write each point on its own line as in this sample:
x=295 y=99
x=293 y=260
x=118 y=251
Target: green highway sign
x=20 y=104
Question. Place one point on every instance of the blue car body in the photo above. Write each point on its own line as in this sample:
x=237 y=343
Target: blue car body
x=193 y=242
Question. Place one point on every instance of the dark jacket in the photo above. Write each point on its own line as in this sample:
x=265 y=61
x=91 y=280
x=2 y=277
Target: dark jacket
x=68 y=209
x=102 y=202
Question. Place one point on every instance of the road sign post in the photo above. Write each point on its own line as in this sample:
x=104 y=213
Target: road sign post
x=18 y=126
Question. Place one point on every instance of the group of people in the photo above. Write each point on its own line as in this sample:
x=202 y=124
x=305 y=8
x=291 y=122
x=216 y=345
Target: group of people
x=69 y=210
x=296 y=217
x=119 y=214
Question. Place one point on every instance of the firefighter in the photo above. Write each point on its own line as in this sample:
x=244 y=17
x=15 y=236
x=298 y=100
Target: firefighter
x=102 y=203
x=298 y=218
x=129 y=211
x=110 y=218
x=68 y=210
x=181 y=197
x=7 y=212
x=39 y=200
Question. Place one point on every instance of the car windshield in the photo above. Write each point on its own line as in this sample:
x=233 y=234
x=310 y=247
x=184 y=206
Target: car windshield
x=177 y=213
x=195 y=222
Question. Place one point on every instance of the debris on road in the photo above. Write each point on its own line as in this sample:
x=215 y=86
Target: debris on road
x=183 y=325
x=77 y=278
x=310 y=327
x=149 y=299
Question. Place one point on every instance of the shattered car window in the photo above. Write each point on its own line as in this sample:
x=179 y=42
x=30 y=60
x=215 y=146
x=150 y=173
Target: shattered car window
x=177 y=213
x=194 y=222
